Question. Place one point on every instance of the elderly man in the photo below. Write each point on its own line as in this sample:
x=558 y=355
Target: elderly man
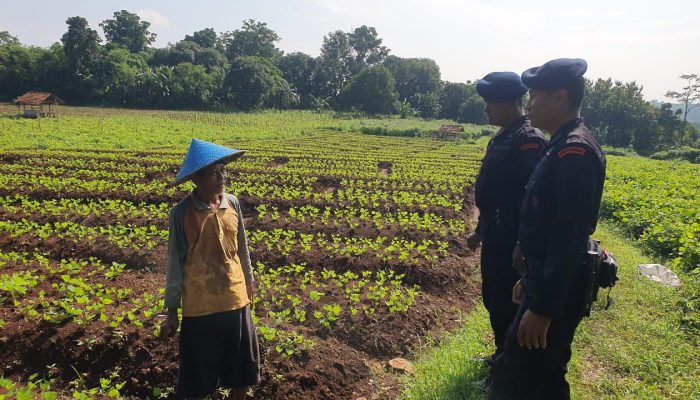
x=500 y=186
x=558 y=213
x=210 y=276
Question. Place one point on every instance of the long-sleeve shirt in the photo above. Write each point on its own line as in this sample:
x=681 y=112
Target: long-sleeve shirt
x=559 y=212
x=208 y=259
x=505 y=169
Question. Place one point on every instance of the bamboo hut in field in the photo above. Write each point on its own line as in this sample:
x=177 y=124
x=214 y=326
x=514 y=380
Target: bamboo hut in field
x=448 y=132
x=37 y=104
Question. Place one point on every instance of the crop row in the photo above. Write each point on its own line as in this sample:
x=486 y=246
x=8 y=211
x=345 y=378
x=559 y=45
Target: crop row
x=657 y=202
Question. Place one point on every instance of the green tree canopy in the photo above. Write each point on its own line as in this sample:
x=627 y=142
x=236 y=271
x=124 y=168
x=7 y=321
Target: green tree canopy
x=81 y=45
x=255 y=82
x=205 y=38
x=6 y=39
x=372 y=91
x=413 y=76
x=452 y=96
x=689 y=97
x=619 y=115
x=126 y=29
x=298 y=69
x=253 y=39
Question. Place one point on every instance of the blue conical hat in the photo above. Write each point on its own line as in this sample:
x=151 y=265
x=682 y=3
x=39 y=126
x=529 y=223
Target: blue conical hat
x=202 y=154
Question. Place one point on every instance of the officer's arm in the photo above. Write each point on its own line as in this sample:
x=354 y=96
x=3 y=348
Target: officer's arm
x=527 y=154
x=477 y=230
x=575 y=193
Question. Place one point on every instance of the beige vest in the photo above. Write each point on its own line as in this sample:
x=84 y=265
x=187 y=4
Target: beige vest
x=213 y=280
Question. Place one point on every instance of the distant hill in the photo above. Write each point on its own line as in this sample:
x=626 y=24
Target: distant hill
x=693 y=115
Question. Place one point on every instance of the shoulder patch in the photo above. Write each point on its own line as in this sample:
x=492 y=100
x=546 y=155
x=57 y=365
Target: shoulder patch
x=530 y=146
x=571 y=150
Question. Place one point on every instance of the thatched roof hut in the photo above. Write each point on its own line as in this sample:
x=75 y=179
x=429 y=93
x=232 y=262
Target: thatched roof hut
x=448 y=132
x=33 y=103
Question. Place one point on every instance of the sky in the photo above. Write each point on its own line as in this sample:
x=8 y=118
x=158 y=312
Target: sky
x=650 y=42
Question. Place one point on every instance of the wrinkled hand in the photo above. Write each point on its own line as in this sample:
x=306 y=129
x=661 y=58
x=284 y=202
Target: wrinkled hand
x=169 y=327
x=473 y=241
x=517 y=292
x=249 y=291
x=518 y=259
x=532 y=332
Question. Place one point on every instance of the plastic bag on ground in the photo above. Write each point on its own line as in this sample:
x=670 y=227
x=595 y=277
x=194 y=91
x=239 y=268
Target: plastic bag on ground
x=659 y=273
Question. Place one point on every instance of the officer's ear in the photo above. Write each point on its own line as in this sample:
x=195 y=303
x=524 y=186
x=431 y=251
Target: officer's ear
x=560 y=99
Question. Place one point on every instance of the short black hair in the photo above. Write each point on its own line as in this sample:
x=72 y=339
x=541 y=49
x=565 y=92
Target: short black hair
x=574 y=91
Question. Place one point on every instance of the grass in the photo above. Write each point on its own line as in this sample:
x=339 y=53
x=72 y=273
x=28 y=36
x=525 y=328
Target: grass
x=113 y=128
x=635 y=350
x=394 y=126
x=452 y=371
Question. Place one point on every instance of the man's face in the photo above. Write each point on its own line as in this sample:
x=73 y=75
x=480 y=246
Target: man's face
x=212 y=179
x=496 y=112
x=541 y=105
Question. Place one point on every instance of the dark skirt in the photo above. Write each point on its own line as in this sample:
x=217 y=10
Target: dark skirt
x=219 y=349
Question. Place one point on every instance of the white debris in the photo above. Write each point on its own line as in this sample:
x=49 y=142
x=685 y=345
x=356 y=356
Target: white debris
x=659 y=273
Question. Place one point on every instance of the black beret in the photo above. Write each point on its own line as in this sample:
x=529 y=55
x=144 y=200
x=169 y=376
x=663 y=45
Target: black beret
x=555 y=74
x=500 y=87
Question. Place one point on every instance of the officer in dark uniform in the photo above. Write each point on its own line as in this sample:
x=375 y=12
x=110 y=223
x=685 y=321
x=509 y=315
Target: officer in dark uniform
x=559 y=212
x=500 y=186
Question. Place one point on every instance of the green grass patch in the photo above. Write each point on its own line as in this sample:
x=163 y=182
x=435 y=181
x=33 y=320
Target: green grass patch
x=408 y=127
x=635 y=350
x=452 y=371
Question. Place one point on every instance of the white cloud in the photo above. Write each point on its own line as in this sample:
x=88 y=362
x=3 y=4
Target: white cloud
x=156 y=19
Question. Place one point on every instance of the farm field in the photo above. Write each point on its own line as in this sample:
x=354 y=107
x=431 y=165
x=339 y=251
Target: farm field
x=358 y=243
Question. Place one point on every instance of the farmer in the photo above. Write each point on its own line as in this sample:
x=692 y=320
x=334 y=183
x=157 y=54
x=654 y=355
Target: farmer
x=210 y=277
x=559 y=212
x=500 y=186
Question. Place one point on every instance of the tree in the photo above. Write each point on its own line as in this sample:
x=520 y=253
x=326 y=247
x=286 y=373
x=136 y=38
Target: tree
x=367 y=49
x=205 y=38
x=127 y=30
x=332 y=70
x=452 y=97
x=297 y=69
x=211 y=58
x=413 y=76
x=81 y=45
x=17 y=67
x=184 y=51
x=160 y=56
x=52 y=74
x=689 y=97
x=119 y=71
x=472 y=111
x=669 y=123
x=7 y=40
x=343 y=55
x=194 y=86
x=427 y=104
x=620 y=116
x=372 y=91
x=253 y=39
x=254 y=82
x=646 y=136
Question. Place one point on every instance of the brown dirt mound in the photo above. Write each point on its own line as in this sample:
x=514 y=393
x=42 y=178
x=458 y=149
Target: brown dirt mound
x=278 y=162
x=384 y=168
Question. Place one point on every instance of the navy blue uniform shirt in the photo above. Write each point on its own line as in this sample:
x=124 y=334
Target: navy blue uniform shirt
x=559 y=212
x=505 y=169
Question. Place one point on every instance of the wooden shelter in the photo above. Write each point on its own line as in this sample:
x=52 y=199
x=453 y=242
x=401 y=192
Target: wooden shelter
x=450 y=132
x=33 y=104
